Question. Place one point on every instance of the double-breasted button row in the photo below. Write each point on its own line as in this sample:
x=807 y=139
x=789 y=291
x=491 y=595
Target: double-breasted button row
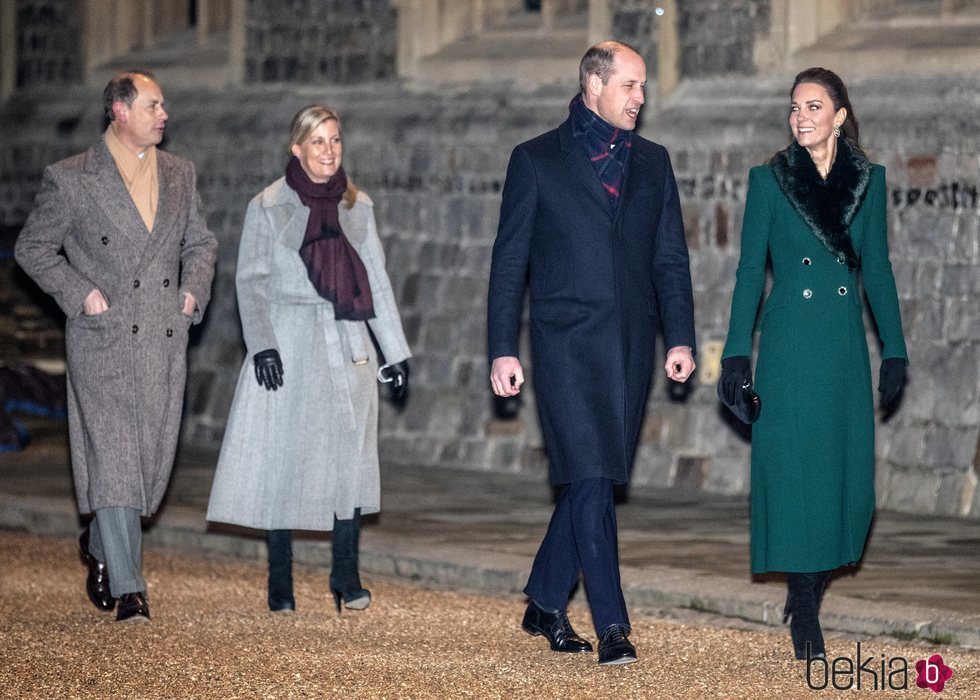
x=169 y=331
x=136 y=283
x=807 y=293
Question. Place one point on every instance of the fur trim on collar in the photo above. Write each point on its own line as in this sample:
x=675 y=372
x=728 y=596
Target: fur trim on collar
x=827 y=206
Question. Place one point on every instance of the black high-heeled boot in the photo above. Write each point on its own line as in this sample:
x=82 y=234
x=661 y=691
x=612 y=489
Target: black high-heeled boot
x=280 y=546
x=345 y=581
x=804 y=594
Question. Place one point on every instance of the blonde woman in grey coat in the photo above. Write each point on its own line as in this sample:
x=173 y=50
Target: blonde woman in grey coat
x=300 y=448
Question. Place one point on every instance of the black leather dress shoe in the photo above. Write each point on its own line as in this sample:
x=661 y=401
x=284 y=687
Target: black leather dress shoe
x=556 y=627
x=97 y=583
x=614 y=647
x=133 y=606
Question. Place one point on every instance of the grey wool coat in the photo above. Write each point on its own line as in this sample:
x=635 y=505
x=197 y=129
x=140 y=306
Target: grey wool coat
x=126 y=366
x=295 y=457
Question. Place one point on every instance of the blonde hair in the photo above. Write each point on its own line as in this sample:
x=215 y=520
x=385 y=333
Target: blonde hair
x=303 y=124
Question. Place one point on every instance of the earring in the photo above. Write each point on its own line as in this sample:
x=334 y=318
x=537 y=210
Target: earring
x=837 y=131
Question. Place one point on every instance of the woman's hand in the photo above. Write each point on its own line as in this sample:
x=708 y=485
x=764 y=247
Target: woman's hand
x=735 y=371
x=891 y=379
x=268 y=369
x=398 y=387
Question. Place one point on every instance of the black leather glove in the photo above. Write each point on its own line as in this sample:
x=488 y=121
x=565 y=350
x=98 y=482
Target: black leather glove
x=268 y=369
x=735 y=371
x=891 y=379
x=398 y=386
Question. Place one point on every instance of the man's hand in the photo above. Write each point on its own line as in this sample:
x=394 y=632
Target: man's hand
x=94 y=303
x=190 y=303
x=506 y=376
x=680 y=363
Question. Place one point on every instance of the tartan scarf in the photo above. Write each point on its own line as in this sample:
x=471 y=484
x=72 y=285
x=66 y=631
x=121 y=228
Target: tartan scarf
x=332 y=264
x=606 y=146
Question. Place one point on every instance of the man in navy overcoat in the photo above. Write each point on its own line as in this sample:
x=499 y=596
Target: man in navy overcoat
x=591 y=222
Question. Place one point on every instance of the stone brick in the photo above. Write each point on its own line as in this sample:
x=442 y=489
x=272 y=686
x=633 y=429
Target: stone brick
x=962 y=319
x=955 y=494
x=911 y=491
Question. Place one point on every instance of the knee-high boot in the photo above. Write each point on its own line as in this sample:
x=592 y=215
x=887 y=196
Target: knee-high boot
x=280 y=546
x=804 y=594
x=345 y=580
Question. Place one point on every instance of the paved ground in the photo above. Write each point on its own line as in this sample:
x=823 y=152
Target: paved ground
x=471 y=531
x=211 y=637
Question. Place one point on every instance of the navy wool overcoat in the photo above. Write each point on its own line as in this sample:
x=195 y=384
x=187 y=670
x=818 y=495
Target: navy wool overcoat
x=603 y=281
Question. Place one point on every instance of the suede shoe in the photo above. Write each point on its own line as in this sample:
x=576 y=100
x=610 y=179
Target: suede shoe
x=133 y=607
x=97 y=583
x=555 y=626
x=614 y=647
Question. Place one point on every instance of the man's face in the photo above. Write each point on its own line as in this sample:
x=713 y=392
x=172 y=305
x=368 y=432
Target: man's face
x=618 y=101
x=140 y=125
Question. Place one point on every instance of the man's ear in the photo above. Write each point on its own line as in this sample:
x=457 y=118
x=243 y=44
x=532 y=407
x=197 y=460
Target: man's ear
x=121 y=111
x=595 y=85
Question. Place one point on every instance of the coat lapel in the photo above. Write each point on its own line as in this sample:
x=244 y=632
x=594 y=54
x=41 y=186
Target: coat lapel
x=105 y=184
x=634 y=167
x=287 y=214
x=578 y=163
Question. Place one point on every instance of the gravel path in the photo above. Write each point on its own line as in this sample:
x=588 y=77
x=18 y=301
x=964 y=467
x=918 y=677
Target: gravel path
x=212 y=637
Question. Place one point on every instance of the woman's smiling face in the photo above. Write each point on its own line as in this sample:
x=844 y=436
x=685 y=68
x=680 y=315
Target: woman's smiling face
x=812 y=117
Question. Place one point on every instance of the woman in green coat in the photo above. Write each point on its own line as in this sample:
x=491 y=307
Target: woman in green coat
x=817 y=211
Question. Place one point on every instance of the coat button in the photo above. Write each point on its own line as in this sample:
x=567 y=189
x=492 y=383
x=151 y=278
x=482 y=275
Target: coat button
x=806 y=261
x=841 y=261
x=807 y=293
x=182 y=242
x=136 y=284
x=842 y=290
x=166 y=283
x=136 y=328
x=170 y=332
x=105 y=240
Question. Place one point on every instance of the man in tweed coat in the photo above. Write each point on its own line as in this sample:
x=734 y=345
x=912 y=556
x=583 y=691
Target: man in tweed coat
x=118 y=239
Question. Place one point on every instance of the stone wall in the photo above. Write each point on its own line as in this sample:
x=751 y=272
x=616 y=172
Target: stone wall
x=317 y=41
x=434 y=163
x=717 y=37
x=48 y=48
x=635 y=22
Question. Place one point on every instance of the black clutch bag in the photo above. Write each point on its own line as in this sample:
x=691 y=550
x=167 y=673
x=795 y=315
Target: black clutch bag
x=747 y=404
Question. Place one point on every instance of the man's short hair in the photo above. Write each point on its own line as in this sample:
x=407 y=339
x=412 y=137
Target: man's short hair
x=599 y=60
x=121 y=88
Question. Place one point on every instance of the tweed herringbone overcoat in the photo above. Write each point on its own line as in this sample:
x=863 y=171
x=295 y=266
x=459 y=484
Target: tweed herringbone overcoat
x=295 y=457
x=126 y=366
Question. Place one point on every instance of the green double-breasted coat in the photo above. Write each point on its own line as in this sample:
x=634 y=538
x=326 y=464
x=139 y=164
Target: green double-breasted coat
x=812 y=485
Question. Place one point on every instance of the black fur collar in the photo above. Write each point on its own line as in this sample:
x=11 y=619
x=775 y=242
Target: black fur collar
x=827 y=206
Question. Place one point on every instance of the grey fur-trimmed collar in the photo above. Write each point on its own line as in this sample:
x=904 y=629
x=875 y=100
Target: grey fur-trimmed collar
x=827 y=206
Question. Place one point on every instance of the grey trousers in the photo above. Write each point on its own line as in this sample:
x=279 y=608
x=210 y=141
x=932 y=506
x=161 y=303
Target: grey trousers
x=115 y=537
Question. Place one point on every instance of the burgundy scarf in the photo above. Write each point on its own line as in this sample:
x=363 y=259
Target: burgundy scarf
x=333 y=266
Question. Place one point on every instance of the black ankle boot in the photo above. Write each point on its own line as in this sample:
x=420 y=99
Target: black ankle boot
x=280 y=546
x=345 y=580
x=804 y=594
